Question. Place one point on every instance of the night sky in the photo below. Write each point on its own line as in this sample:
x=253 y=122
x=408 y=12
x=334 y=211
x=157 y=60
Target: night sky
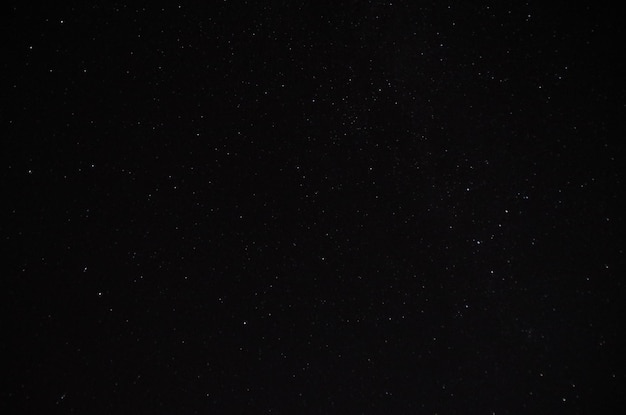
x=313 y=207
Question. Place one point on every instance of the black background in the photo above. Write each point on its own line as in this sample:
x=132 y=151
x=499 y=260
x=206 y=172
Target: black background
x=313 y=207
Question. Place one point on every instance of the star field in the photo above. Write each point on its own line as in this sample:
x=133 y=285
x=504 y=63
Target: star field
x=313 y=207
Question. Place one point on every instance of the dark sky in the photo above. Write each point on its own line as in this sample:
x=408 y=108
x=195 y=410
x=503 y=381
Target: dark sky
x=313 y=207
